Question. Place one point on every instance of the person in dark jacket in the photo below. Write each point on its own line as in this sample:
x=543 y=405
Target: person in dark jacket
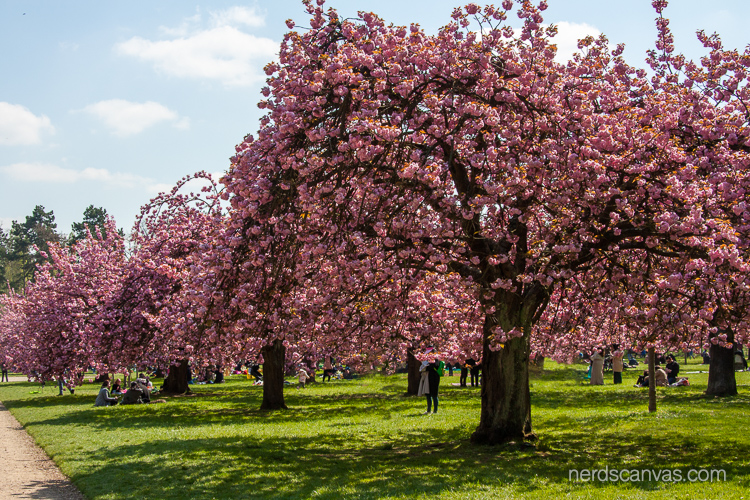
x=433 y=381
x=672 y=369
x=476 y=370
x=468 y=365
x=464 y=376
x=134 y=395
x=142 y=382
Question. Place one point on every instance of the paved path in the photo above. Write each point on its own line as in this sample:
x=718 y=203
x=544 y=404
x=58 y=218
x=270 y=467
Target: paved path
x=26 y=471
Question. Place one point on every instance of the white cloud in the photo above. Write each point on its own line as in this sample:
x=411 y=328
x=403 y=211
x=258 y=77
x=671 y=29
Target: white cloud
x=234 y=16
x=189 y=25
x=221 y=52
x=126 y=118
x=19 y=126
x=6 y=223
x=50 y=173
x=567 y=38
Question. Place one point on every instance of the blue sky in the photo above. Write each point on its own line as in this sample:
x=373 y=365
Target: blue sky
x=108 y=103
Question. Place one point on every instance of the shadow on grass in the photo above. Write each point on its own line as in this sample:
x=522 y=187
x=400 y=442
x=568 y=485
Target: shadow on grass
x=269 y=455
x=329 y=465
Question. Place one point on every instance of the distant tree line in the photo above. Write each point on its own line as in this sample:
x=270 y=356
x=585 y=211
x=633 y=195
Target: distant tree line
x=25 y=244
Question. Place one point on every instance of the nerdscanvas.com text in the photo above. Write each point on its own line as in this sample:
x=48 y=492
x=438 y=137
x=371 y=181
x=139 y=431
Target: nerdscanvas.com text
x=647 y=475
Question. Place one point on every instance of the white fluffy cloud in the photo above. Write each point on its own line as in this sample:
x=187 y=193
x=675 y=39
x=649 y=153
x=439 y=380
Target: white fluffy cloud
x=221 y=52
x=50 y=173
x=567 y=38
x=234 y=16
x=126 y=118
x=19 y=126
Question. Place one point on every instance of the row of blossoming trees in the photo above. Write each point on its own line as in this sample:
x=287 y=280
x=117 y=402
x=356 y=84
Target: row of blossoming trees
x=461 y=190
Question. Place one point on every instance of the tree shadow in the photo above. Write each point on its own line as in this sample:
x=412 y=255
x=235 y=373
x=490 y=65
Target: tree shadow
x=347 y=458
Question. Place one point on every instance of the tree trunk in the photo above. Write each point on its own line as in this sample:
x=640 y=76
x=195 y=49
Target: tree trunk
x=506 y=399
x=412 y=374
x=177 y=379
x=537 y=366
x=273 y=376
x=721 y=380
x=651 y=380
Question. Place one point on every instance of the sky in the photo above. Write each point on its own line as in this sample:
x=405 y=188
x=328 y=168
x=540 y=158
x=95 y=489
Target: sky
x=109 y=103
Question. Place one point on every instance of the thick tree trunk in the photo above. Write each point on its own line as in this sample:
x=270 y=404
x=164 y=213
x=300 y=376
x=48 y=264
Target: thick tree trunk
x=412 y=374
x=651 y=380
x=721 y=380
x=273 y=376
x=506 y=399
x=177 y=379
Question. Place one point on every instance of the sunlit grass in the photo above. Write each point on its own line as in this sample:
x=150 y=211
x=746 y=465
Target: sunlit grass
x=363 y=439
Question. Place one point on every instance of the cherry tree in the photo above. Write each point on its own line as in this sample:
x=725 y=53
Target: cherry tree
x=475 y=157
x=718 y=97
x=12 y=328
x=151 y=309
x=56 y=323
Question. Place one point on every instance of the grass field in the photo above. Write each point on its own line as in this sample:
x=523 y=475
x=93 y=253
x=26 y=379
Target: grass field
x=363 y=439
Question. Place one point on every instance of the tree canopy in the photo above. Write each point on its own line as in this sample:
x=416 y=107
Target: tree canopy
x=459 y=189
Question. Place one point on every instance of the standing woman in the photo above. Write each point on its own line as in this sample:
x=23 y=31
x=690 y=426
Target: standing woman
x=617 y=365
x=597 y=368
x=424 y=384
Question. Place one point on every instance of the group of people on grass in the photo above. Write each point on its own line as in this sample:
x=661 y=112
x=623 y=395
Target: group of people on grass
x=596 y=366
x=140 y=392
x=666 y=373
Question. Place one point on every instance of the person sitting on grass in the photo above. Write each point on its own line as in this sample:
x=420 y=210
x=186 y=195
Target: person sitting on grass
x=145 y=385
x=219 y=375
x=303 y=376
x=134 y=395
x=103 y=398
x=145 y=382
x=672 y=369
x=740 y=363
x=117 y=387
x=255 y=372
x=660 y=376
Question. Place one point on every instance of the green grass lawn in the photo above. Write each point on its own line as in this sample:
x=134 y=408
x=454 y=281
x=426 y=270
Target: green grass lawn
x=363 y=439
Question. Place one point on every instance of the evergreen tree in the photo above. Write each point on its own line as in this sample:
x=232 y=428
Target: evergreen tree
x=26 y=241
x=93 y=218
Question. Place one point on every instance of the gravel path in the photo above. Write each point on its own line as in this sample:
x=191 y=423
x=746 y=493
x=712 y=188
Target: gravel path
x=27 y=472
